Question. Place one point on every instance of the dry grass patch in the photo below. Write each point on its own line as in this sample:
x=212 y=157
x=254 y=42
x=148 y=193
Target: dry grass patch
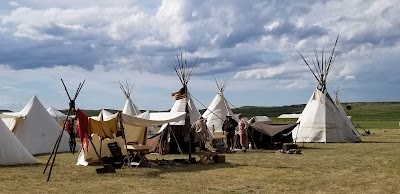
x=368 y=167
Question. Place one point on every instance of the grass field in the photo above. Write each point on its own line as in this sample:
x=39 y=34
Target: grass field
x=368 y=167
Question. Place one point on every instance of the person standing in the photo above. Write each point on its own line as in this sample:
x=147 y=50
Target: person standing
x=200 y=129
x=243 y=125
x=229 y=128
x=69 y=126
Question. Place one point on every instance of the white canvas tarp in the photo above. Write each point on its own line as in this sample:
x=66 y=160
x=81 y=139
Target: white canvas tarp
x=135 y=131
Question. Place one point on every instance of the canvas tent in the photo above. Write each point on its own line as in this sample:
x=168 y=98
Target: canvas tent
x=263 y=119
x=57 y=115
x=135 y=131
x=289 y=116
x=321 y=120
x=263 y=135
x=218 y=109
x=12 y=152
x=36 y=129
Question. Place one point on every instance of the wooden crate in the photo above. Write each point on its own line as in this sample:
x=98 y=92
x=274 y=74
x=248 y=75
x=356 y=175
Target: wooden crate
x=218 y=158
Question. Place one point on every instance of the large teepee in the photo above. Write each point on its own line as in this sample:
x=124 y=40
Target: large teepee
x=183 y=100
x=177 y=133
x=36 y=129
x=218 y=109
x=321 y=120
x=12 y=152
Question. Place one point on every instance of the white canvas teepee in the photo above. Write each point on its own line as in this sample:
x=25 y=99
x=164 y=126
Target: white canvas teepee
x=179 y=132
x=218 y=109
x=130 y=108
x=321 y=120
x=36 y=129
x=12 y=152
x=179 y=106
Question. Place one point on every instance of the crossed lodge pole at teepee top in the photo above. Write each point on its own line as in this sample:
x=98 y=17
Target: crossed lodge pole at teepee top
x=71 y=110
x=322 y=65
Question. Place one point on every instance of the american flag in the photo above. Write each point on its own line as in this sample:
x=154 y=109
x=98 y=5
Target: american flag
x=181 y=94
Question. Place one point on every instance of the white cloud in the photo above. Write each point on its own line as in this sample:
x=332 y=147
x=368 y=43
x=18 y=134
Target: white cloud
x=269 y=72
x=350 y=77
x=252 y=42
x=13 y=3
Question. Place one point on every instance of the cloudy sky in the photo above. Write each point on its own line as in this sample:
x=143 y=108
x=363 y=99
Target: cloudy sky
x=249 y=43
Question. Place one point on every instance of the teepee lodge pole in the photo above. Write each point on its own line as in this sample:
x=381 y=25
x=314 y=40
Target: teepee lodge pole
x=71 y=110
x=322 y=65
x=184 y=73
x=187 y=126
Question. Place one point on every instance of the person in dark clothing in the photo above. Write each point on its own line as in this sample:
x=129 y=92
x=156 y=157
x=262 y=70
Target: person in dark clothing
x=70 y=129
x=229 y=128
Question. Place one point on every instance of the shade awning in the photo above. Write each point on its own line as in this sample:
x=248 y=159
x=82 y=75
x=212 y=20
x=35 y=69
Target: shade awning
x=272 y=129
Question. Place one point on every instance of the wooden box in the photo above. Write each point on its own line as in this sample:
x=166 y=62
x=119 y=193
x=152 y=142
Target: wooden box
x=219 y=158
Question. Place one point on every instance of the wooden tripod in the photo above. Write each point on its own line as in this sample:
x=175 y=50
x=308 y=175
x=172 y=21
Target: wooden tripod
x=71 y=110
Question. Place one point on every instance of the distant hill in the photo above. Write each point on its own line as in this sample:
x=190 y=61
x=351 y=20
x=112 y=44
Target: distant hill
x=365 y=111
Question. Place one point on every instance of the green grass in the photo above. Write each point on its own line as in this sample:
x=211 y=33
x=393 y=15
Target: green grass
x=374 y=111
x=368 y=167
x=380 y=124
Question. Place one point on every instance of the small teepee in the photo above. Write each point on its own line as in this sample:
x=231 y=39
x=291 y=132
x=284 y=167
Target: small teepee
x=218 y=109
x=321 y=120
x=130 y=108
x=12 y=152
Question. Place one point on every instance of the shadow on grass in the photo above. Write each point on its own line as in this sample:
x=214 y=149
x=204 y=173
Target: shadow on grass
x=22 y=165
x=189 y=168
x=380 y=142
x=313 y=148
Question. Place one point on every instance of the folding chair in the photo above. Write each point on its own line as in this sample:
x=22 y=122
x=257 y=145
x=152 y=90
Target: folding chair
x=117 y=158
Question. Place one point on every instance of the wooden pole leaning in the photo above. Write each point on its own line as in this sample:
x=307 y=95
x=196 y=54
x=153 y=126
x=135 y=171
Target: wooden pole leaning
x=71 y=109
